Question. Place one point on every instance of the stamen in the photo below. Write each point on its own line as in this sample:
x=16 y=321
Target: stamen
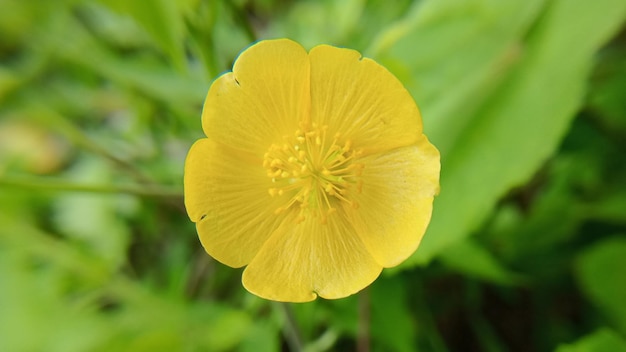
x=314 y=172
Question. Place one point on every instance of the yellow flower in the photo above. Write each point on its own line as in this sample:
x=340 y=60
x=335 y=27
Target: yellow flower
x=314 y=173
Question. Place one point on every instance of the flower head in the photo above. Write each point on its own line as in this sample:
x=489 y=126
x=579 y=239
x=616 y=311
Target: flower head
x=315 y=172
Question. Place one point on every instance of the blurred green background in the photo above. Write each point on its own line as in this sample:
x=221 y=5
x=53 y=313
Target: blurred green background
x=100 y=101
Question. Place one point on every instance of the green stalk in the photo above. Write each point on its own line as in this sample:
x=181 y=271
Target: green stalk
x=60 y=185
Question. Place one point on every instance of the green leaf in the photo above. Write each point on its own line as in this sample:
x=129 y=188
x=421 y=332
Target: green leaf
x=162 y=19
x=393 y=326
x=498 y=83
x=314 y=22
x=42 y=302
x=608 y=97
x=603 y=340
x=8 y=82
x=262 y=336
x=471 y=259
x=53 y=294
x=600 y=272
x=66 y=39
x=94 y=220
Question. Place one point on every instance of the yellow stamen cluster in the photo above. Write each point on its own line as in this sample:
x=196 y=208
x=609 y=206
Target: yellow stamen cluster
x=314 y=172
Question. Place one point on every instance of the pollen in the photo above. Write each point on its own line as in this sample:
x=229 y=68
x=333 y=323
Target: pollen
x=313 y=172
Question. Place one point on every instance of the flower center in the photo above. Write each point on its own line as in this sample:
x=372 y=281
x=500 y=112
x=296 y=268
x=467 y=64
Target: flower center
x=316 y=172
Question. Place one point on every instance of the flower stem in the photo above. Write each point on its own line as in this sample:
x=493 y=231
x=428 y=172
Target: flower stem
x=291 y=331
x=52 y=184
x=363 y=334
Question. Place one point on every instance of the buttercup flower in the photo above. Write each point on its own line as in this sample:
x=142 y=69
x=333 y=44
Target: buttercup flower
x=314 y=173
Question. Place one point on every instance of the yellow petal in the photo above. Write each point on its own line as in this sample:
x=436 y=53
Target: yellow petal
x=396 y=200
x=226 y=194
x=361 y=100
x=263 y=99
x=301 y=261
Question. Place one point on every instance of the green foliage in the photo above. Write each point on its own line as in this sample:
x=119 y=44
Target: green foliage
x=526 y=100
x=599 y=341
x=602 y=280
x=469 y=258
x=58 y=295
x=497 y=96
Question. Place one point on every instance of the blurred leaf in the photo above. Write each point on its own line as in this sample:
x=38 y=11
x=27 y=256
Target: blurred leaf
x=39 y=293
x=423 y=50
x=376 y=16
x=531 y=235
x=608 y=98
x=610 y=208
x=93 y=219
x=150 y=322
x=315 y=22
x=162 y=19
x=603 y=340
x=8 y=81
x=17 y=19
x=229 y=33
x=600 y=272
x=56 y=297
x=392 y=324
x=25 y=145
x=333 y=317
x=261 y=337
x=470 y=258
x=115 y=28
x=65 y=38
x=500 y=109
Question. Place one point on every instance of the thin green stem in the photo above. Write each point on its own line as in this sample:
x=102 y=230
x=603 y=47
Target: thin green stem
x=291 y=330
x=59 y=185
x=363 y=335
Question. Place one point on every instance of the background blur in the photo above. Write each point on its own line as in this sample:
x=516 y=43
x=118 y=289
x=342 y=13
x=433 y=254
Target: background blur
x=526 y=100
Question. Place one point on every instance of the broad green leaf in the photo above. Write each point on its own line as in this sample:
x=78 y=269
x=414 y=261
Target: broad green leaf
x=452 y=56
x=600 y=272
x=471 y=259
x=498 y=83
x=603 y=340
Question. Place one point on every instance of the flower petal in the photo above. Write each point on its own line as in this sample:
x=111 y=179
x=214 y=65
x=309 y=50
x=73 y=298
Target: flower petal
x=360 y=99
x=396 y=200
x=226 y=195
x=263 y=99
x=301 y=261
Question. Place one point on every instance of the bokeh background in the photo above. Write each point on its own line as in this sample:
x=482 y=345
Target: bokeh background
x=526 y=99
